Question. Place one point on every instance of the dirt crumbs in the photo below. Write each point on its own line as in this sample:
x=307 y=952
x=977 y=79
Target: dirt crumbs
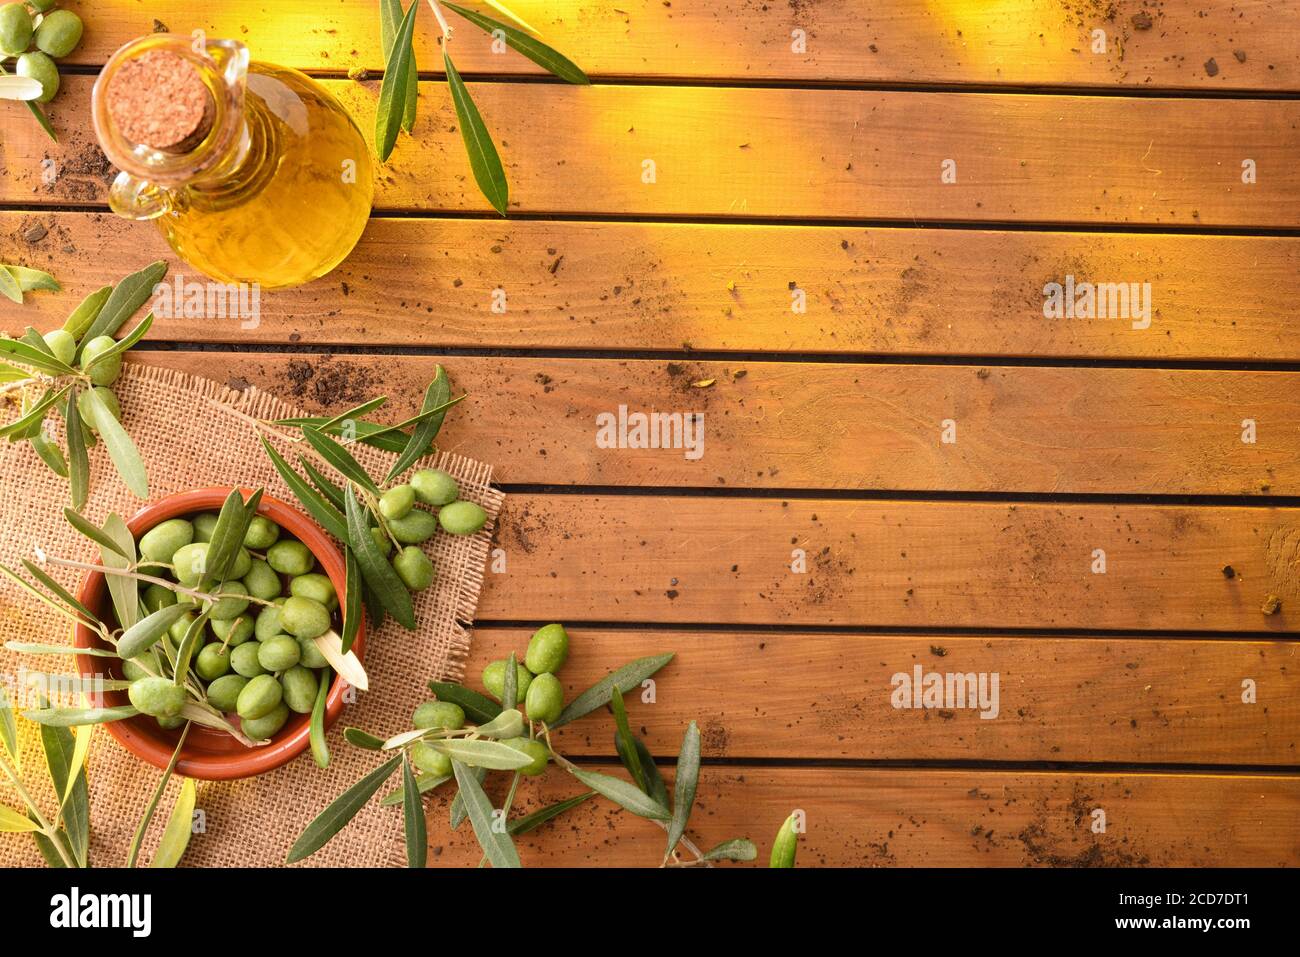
x=327 y=382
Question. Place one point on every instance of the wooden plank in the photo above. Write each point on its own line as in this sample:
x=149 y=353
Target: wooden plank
x=697 y=559
x=1028 y=41
x=810 y=154
x=934 y=818
x=666 y=286
x=830 y=696
x=823 y=425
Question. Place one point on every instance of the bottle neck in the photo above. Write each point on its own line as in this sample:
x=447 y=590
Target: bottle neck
x=153 y=175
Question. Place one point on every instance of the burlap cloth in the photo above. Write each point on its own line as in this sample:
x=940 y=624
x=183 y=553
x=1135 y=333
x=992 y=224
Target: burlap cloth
x=191 y=434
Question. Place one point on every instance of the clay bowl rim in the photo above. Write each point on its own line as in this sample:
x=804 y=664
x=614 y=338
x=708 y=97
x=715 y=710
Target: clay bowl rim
x=140 y=735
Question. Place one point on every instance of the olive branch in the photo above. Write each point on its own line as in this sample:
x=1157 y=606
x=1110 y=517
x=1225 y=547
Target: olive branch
x=400 y=87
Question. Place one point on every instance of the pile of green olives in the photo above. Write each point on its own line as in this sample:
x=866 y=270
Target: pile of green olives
x=36 y=34
x=412 y=526
x=257 y=657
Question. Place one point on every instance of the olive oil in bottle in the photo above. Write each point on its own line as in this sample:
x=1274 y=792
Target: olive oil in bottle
x=253 y=173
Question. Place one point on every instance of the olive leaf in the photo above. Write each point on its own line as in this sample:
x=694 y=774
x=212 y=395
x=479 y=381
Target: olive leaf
x=378 y=573
x=362 y=739
x=176 y=835
x=78 y=459
x=98 y=535
x=31 y=648
x=325 y=513
x=331 y=820
x=356 y=412
x=12 y=822
x=123 y=589
x=483 y=159
x=508 y=724
x=623 y=794
x=193 y=638
x=333 y=493
x=396 y=87
x=123 y=302
x=548 y=59
x=142 y=636
x=629 y=676
x=68 y=717
x=38 y=359
x=785 y=845
x=81 y=318
x=340 y=458
x=58 y=590
x=347 y=664
x=50 y=454
x=497 y=845
x=228 y=536
x=80 y=751
x=33 y=416
x=42 y=597
x=417 y=837
x=59 y=747
x=9 y=730
x=123 y=344
x=51 y=854
x=390 y=20
x=685 y=782
x=381 y=432
x=625 y=741
x=121 y=449
x=477 y=707
x=320 y=751
x=367 y=433
x=436 y=396
x=133 y=852
x=10 y=289
x=738 y=849
x=352 y=602
x=492 y=755
x=530 y=822
x=510 y=685
x=30 y=280
x=458 y=808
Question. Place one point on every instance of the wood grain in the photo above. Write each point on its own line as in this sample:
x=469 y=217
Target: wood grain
x=828 y=696
x=676 y=286
x=805 y=154
x=823 y=425
x=1029 y=41
x=911 y=817
x=686 y=560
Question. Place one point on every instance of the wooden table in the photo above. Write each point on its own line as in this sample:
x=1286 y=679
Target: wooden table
x=821 y=173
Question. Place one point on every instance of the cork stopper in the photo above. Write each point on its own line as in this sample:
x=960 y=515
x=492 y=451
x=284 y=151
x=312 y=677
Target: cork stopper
x=160 y=100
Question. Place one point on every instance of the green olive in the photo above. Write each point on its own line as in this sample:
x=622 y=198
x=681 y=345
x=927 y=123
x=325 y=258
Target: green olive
x=494 y=679
x=261 y=581
x=414 y=568
x=204 y=524
x=191 y=562
x=242 y=564
x=259 y=697
x=244 y=659
x=212 y=662
x=462 y=518
x=311 y=654
x=268 y=621
x=59 y=33
x=170 y=724
x=63 y=344
x=429 y=760
x=132 y=670
x=162 y=541
x=535 y=750
x=545 y=698
x=434 y=487
x=105 y=372
x=279 y=654
x=414 y=527
x=397 y=502
x=304 y=617
x=157 y=597
x=299 y=686
x=438 y=714
x=180 y=626
x=87 y=411
x=262 y=533
x=259 y=729
x=15 y=29
x=233 y=631
x=317 y=587
x=223 y=694
x=290 y=557
x=547 y=649
x=225 y=609
x=156 y=696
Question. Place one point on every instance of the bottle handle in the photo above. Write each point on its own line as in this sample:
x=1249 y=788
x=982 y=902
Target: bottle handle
x=134 y=198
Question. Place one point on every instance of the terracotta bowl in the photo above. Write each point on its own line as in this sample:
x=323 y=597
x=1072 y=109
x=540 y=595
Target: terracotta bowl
x=209 y=754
